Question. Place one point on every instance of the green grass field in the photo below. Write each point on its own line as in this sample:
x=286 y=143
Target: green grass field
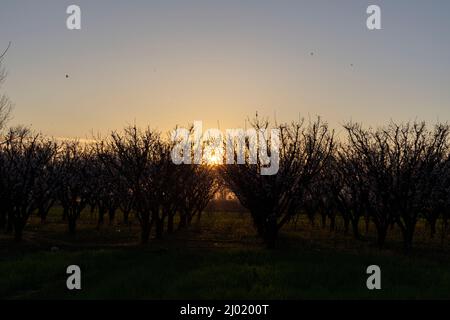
x=219 y=259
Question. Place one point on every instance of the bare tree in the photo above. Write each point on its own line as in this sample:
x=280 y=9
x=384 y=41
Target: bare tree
x=350 y=187
x=132 y=157
x=24 y=168
x=73 y=187
x=397 y=163
x=5 y=103
x=199 y=186
x=106 y=188
x=273 y=200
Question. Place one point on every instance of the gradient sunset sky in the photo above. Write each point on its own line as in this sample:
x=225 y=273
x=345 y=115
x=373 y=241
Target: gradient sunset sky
x=163 y=63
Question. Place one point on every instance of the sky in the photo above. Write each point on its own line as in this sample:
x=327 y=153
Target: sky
x=163 y=63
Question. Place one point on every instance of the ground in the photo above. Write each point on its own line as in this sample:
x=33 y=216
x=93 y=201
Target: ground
x=218 y=258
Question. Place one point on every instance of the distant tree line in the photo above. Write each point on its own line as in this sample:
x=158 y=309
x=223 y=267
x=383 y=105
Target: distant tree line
x=131 y=172
x=391 y=176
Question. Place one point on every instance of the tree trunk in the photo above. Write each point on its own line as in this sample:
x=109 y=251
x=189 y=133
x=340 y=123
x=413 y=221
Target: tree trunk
x=2 y=220
x=355 y=228
x=382 y=233
x=432 y=223
x=183 y=221
x=18 y=230
x=408 y=235
x=72 y=225
x=170 y=223
x=126 y=214
x=332 y=223
x=112 y=214
x=10 y=224
x=190 y=215
x=444 y=228
x=91 y=211
x=159 y=227
x=270 y=233
x=346 y=225
x=324 y=220
x=42 y=214
x=145 y=233
x=101 y=216
x=65 y=212
x=145 y=228
x=367 y=225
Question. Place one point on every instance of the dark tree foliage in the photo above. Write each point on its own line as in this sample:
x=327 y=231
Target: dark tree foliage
x=273 y=200
x=150 y=184
x=397 y=166
x=73 y=181
x=25 y=167
x=392 y=176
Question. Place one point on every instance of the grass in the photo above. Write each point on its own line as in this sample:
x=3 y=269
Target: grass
x=142 y=273
x=221 y=259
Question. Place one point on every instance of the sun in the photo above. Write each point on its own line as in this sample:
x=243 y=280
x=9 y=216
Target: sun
x=214 y=158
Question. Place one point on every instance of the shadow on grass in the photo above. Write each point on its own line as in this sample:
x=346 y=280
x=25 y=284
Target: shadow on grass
x=152 y=273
